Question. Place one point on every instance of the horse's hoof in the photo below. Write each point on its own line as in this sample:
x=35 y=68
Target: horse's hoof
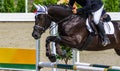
x=52 y=58
x=40 y=67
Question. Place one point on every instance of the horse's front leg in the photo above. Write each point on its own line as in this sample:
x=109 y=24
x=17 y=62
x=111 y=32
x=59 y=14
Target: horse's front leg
x=48 y=50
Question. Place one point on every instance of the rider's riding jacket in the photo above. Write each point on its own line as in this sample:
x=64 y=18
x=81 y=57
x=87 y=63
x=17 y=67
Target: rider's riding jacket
x=87 y=5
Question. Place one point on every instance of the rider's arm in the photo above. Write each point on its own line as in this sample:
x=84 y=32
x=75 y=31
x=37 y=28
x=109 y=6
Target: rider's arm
x=87 y=7
x=71 y=3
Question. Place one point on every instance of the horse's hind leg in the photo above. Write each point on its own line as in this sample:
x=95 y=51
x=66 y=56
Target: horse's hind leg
x=117 y=50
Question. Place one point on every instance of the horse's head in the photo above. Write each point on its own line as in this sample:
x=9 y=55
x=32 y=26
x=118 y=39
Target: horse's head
x=45 y=15
x=42 y=21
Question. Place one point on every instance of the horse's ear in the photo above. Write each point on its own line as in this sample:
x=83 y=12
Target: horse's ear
x=36 y=6
x=42 y=7
x=39 y=5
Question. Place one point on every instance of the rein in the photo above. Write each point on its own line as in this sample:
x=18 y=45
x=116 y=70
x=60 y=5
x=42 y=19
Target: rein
x=64 y=19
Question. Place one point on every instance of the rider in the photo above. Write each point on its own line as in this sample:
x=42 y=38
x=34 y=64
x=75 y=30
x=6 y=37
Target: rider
x=95 y=7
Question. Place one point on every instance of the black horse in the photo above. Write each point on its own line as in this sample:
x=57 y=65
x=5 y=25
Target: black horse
x=72 y=30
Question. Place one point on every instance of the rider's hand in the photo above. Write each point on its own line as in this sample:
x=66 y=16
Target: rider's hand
x=74 y=10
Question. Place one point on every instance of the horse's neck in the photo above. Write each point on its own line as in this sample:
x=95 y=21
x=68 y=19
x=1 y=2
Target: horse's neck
x=58 y=12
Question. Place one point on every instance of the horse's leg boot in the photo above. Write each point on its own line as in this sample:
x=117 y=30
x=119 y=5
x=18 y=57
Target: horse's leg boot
x=105 y=39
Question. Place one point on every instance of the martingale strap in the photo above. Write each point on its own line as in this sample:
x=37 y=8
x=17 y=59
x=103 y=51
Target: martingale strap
x=87 y=42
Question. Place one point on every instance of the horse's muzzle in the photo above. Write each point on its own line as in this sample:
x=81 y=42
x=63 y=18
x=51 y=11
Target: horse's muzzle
x=36 y=35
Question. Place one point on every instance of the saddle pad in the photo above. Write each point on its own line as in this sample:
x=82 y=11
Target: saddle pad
x=109 y=28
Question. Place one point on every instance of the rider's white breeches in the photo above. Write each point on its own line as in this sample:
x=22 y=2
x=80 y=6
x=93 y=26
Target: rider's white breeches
x=97 y=15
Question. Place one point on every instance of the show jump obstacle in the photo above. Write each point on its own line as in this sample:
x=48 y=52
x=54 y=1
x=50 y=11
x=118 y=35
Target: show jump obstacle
x=76 y=66
x=29 y=60
x=80 y=67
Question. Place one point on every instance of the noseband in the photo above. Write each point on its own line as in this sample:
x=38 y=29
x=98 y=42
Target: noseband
x=36 y=27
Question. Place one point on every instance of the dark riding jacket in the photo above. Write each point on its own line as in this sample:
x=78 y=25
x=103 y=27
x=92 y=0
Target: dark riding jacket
x=87 y=5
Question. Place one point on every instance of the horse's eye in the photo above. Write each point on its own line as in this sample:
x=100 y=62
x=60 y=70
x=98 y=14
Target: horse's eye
x=38 y=17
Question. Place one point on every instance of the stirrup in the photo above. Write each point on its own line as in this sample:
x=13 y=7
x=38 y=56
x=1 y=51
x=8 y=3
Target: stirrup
x=105 y=42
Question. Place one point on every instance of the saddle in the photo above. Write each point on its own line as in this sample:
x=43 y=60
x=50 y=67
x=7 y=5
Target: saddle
x=105 y=18
x=92 y=27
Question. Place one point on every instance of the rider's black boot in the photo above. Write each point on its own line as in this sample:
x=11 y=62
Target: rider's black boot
x=105 y=39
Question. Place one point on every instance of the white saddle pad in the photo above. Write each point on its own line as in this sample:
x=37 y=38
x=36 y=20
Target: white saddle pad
x=109 y=28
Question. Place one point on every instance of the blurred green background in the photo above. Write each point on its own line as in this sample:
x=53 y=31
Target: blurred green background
x=20 y=5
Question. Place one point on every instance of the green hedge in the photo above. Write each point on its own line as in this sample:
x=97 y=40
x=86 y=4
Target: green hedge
x=112 y=5
x=1 y=6
x=8 y=6
x=19 y=5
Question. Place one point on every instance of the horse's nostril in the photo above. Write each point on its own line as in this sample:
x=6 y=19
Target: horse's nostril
x=35 y=35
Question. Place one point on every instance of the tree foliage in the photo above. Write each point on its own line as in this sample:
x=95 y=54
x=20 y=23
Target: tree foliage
x=20 y=6
x=8 y=6
x=68 y=54
x=112 y=5
x=11 y=6
x=1 y=6
x=49 y=2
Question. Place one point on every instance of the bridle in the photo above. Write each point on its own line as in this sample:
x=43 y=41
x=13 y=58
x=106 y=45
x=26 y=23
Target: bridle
x=47 y=15
x=43 y=28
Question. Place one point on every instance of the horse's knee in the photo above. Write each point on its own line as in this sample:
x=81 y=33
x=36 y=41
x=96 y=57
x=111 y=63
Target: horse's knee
x=48 y=39
x=58 y=39
x=53 y=38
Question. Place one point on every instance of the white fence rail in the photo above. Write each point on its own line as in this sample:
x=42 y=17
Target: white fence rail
x=30 y=16
x=17 y=16
x=114 y=16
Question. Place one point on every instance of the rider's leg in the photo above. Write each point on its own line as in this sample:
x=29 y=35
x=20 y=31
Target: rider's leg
x=96 y=16
x=104 y=37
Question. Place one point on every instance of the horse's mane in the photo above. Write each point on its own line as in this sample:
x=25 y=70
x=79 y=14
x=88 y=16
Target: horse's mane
x=82 y=15
x=61 y=5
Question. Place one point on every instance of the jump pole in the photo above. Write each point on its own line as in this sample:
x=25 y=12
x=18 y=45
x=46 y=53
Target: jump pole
x=75 y=56
x=98 y=65
x=73 y=67
x=53 y=31
x=37 y=54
